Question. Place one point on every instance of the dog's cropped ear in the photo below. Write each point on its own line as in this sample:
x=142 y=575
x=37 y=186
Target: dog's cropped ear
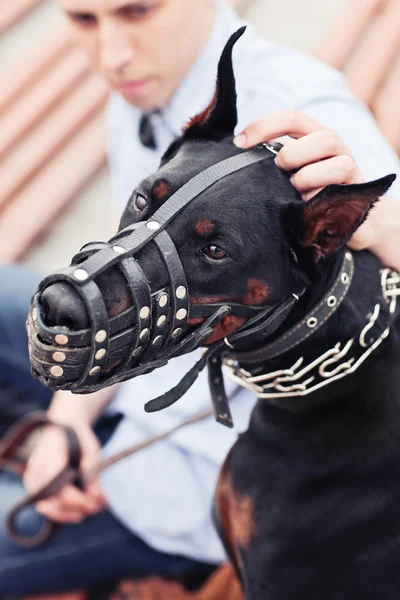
x=219 y=119
x=328 y=220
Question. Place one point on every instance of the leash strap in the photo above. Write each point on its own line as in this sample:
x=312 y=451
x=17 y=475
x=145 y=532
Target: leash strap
x=70 y=475
x=16 y=436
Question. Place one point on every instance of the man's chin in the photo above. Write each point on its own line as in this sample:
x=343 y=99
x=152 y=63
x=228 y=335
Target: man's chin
x=143 y=96
x=144 y=104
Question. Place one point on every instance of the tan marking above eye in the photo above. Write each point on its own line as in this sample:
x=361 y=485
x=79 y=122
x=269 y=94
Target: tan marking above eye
x=257 y=292
x=161 y=190
x=204 y=227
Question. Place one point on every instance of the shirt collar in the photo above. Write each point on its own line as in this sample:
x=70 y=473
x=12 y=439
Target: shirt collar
x=197 y=89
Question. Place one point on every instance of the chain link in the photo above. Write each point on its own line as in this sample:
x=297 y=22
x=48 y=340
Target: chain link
x=301 y=379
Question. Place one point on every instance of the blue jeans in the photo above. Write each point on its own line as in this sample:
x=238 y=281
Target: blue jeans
x=96 y=551
x=19 y=392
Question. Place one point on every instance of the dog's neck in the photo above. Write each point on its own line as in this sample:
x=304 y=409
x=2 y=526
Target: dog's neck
x=346 y=323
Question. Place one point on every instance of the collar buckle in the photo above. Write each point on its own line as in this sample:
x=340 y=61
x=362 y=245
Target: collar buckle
x=390 y=281
x=273 y=147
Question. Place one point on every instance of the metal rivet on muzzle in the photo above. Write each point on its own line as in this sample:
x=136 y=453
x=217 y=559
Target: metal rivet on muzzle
x=59 y=357
x=162 y=301
x=137 y=352
x=144 y=334
x=153 y=225
x=144 y=313
x=57 y=371
x=100 y=354
x=119 y=249
x=177 y=332
x=100 y=336
x=181 y=292
x=80 y=274
x=157 y=340
x=161 y=321
x=61 y=339
x=94 y=371
x=181 y=314
x=312 y=322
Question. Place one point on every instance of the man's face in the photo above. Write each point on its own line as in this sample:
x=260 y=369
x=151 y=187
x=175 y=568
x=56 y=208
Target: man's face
x=143 y=48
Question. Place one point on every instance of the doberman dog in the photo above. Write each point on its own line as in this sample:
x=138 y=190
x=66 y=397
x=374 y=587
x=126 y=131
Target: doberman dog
x=308 y=500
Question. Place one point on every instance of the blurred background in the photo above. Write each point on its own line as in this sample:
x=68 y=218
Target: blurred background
x=54 y=185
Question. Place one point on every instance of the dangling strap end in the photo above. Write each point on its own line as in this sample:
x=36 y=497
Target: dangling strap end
x=218 y=394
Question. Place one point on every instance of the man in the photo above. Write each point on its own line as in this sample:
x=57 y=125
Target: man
x=152 y=513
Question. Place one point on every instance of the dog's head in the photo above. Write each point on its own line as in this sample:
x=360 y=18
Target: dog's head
x=247 y=239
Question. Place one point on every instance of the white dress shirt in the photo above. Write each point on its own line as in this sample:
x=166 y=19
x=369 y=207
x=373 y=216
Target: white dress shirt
x=164 y=493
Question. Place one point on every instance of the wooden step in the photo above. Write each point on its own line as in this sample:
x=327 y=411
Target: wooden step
x=49 y=91
x=345 y=32
x=26 y=72
x=12 y=11
x=374 y=57
x=386 y=107
x=31 y=214
x=32 y=154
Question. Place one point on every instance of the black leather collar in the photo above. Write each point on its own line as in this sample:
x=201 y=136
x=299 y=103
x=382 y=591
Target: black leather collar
x=307 y=376
x=309 y=324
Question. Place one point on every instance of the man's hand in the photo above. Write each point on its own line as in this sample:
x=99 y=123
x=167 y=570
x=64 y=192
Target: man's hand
x=319 y=157
x=48 y=457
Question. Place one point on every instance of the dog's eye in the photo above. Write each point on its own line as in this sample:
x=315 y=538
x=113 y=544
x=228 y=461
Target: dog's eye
x=140 y=203
x=215 y=252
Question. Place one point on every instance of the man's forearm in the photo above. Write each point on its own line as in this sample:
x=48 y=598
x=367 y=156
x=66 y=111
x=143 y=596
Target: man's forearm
x=72 y=409
x=386 y=241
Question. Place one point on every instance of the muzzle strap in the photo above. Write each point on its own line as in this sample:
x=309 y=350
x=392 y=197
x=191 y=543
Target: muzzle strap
x=185 y=384
x=156 y=328
x=141 y=297
x=179 y=301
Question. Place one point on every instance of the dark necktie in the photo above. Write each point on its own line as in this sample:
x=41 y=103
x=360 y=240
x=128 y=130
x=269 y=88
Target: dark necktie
x=146 y=133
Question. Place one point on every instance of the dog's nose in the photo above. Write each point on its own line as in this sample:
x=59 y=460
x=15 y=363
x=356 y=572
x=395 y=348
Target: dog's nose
x=63 y=307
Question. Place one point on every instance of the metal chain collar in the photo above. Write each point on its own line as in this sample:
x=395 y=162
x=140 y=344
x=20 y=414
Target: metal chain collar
x=344 y=359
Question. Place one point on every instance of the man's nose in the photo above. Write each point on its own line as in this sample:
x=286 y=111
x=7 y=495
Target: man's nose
x=116 y=51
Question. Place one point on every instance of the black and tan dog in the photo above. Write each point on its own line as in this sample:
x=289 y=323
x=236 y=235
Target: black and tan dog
x=308 y=501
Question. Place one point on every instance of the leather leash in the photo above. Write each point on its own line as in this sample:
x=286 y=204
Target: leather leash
x=69 y=475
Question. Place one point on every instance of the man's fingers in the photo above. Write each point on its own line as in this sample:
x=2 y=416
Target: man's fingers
x=94 y=491
x=289 y=122
x=72 y=499
x=340 y=169
x=310 y=194
x=51 y=510
x=70 y=505
x=314 y=147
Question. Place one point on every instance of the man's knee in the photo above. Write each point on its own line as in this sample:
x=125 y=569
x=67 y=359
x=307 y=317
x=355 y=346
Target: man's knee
x=17 y=285
x=14 y=561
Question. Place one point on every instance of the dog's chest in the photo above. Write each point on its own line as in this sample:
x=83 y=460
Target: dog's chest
x=325 y=496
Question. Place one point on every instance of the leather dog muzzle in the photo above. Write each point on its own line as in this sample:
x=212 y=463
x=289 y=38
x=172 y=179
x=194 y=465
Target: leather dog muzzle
x=155 y=328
